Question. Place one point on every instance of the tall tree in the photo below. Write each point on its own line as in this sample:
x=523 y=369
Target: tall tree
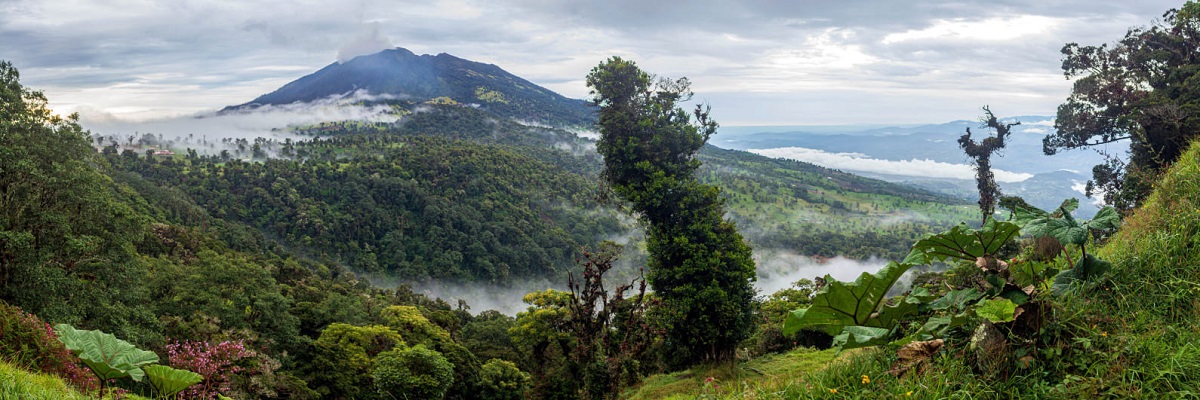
x=66 y=239
x=699 y=266
x=981 y=152
x=1145 y=88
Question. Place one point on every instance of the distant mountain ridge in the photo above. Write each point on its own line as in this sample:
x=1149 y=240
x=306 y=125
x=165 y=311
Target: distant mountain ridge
x=401 y=74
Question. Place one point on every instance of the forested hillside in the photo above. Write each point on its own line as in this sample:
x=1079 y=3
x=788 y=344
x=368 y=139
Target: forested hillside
x=457 y=194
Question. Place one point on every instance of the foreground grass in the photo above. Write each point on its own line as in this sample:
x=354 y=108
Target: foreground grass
x=17 y=383
x=733 y=379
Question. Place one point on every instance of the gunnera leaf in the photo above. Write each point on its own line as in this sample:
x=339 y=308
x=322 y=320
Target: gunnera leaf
x=841 y=304
x=1067 y=229
x=107 y=356
x=853 y=337
x=963 y=243
x=1088 y=268
x=168 y=381
x=956 y=299
x=996 y=310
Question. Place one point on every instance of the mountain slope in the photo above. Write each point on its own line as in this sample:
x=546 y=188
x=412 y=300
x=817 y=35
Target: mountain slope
x=400 y=74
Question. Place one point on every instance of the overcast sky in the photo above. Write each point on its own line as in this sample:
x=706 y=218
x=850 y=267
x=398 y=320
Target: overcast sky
x=756 y=62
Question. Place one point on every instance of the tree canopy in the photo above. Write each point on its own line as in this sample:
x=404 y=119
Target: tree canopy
x=699 y=265
x=1144 y=88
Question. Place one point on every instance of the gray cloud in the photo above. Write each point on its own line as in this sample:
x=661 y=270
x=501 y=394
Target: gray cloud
x=855 y=62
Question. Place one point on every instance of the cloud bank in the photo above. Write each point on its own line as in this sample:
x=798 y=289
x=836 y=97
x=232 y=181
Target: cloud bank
x=267 y=121
x=862 y=163
x=757 y=62
x=779 y=269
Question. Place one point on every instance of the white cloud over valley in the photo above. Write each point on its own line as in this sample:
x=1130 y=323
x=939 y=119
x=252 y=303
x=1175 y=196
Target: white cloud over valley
x=862 y=163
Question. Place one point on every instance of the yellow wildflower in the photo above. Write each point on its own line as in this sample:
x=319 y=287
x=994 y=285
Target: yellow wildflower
x=866 y=380
x=909 y=394
x=833 y=391
x=1105 y=334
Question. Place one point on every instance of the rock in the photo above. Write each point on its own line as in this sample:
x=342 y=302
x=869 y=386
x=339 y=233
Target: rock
x=988 y=346
x=915 y=356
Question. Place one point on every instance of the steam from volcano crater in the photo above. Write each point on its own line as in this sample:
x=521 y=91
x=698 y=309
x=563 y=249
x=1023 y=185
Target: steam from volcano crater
x=370 y=41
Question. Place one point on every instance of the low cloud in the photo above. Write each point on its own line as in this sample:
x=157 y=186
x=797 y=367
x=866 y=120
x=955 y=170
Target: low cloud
x=779 y=269
x=482 y=297
x=858 y=162
x=267 y=121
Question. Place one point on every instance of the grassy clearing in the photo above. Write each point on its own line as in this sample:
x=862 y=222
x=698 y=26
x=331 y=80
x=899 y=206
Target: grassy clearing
x=774 y=370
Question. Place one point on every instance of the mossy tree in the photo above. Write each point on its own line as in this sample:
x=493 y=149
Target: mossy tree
x=1145 y=89
x=699 y=266
x=981 y=152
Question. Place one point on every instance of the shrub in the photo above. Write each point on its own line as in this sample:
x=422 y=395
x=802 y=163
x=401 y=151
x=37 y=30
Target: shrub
x=416 y=372
x=214 y=362
x=29 y=342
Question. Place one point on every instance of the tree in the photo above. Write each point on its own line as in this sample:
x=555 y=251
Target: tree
x=502 y=380
x=66 y=236
x=699 y=266
x=1145 y=89
x=414 y=372
x=542 y=336
x=981 y=152
x=344 y=357
x=611 y=332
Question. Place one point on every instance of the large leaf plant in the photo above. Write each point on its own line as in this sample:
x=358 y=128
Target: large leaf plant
x=105 y=355
x=168 y=382
x=1063 y=227
x=858 y=315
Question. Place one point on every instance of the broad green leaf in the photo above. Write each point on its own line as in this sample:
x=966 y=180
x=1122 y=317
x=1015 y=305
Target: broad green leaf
x=1066 y=229
x=168 y=381
x=1069 y=230
x=956 y=299
x=996 y=310
x=1086 y=269
x=1017 y=296
x=1106 y=219
x=996 y=284
x=1068 y=206
x=1022 y=216
x=841 y=304
x=941 y=326
x=921 y=296
x=963 y=243
x=1027 y=272
x=853 y=337
x=107 y=356
x=920 y=293
x=893 y=314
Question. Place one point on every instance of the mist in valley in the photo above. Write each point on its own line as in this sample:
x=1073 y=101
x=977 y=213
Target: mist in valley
x=210 y=132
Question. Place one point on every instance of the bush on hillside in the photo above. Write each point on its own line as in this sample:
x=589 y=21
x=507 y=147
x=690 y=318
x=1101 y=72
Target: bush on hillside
x=30 y=343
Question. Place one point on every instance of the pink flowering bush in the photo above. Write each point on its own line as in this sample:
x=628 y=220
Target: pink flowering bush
x=29 y=342
x=215 y=362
